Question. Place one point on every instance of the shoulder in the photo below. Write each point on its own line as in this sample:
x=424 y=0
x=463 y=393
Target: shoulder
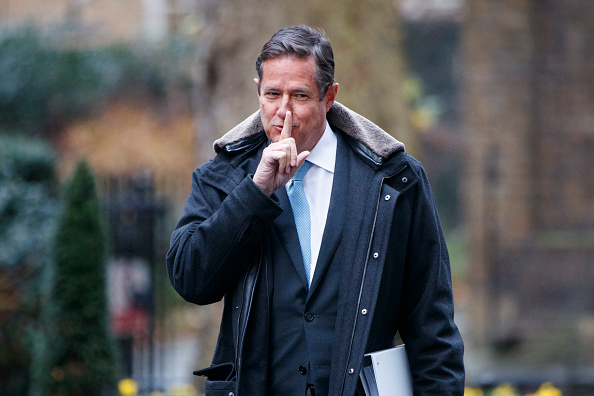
x=365 y=136
x=233 y=161
x=248 y=128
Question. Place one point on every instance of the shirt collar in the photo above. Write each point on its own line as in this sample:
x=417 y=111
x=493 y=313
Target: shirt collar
x=324 y=152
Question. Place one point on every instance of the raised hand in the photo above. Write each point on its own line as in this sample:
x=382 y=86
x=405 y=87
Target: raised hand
x=280 y=161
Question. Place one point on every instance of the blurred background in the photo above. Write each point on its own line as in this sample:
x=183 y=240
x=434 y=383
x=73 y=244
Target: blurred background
x=496 y=98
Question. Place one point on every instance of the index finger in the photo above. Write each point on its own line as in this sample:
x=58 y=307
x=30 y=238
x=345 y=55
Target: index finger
x=286 y=132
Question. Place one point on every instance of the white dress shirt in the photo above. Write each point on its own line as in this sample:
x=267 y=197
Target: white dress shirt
x=317 y=185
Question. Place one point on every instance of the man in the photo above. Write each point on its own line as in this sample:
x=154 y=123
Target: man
x=321 y=235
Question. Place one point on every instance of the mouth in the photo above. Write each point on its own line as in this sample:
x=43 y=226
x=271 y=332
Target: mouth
x=279 y=128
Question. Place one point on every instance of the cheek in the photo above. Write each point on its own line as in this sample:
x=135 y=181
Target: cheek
x=266 y=112
x=262 y=108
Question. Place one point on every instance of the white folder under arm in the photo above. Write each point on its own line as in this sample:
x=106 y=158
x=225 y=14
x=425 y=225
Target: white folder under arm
x=387 y=373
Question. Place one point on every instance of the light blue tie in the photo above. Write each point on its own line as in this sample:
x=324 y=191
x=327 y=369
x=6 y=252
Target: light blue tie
x=302 y=217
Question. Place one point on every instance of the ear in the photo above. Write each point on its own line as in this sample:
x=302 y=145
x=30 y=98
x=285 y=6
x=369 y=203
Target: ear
x=331 y=95
x=257 y=85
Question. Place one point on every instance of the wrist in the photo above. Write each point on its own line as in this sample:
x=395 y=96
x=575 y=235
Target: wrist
x=264 y=187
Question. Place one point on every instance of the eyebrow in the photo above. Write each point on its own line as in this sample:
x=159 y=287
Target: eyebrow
x=296 y=90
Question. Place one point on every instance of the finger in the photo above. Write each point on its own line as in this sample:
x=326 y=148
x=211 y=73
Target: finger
x=299 y=162
x=291 y=157
x=276 y=157
x=293 y=153
x=281 y=165
x=285 y=154
x=286 y=132
x=290 y=148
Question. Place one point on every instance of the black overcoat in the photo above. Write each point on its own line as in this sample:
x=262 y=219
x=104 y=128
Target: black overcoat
x=396 y=274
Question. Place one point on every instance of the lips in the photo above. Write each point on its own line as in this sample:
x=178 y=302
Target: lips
x=280 y=127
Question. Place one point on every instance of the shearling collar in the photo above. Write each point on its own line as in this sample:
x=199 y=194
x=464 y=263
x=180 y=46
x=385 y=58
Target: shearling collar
x=353 y=124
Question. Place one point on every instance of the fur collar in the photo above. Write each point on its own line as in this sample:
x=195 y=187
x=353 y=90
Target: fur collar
x=353 y=124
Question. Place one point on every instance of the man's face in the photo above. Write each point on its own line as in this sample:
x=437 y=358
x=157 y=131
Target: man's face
x=288 y=84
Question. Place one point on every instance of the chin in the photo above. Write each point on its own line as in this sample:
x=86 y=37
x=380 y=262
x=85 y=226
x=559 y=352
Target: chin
x=274 y=137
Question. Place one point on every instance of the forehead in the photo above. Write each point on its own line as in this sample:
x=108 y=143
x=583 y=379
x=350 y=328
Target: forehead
x=289 y=69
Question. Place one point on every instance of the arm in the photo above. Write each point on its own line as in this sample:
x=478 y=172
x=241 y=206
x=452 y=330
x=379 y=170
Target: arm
x=427 y=327
x=217 y=238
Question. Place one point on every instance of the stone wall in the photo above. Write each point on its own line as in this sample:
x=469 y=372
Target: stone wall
x=529 y=189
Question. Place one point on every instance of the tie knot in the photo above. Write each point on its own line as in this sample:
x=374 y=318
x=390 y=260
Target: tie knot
x=301 y=172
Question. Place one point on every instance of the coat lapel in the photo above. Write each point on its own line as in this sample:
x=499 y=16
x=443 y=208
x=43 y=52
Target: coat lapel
x=336 y=211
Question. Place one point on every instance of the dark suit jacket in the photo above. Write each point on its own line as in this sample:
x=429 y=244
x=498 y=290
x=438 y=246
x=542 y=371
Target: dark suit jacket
x=303 y=318
x=395 y=277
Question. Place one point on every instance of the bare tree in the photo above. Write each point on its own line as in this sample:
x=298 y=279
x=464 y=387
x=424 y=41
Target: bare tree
x=368 y=53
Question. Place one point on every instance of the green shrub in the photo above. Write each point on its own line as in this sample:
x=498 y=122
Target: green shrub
x=27 y=181
x=74 y=352
x=27 y=206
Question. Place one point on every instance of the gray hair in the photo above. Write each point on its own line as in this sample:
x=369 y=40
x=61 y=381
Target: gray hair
x=302 y=42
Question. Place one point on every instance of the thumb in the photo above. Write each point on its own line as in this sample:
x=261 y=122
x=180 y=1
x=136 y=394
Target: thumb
x=301 y=157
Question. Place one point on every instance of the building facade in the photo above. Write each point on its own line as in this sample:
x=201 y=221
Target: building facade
x=100 y=21
x=529 y=188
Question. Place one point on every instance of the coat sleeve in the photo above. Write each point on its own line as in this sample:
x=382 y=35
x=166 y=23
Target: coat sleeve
x=217 y=238
x=427 y=327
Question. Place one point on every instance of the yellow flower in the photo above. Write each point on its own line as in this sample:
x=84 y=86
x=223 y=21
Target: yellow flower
x=468 y=391
x=183 y=390
x=547 y=389
x=128 y=387
x=504 y=390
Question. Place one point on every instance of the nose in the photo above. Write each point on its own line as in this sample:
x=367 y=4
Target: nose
x=284 y=106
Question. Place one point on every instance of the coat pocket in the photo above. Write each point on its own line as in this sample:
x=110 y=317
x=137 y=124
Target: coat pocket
x=222 y=372
x=220 y=379
x=220 y=388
